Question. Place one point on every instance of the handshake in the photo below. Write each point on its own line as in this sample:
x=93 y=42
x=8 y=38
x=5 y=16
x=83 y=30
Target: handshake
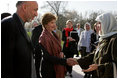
x=71 y=61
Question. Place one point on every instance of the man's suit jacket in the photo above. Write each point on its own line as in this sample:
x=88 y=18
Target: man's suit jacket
x=16 y=49
x=36 y=32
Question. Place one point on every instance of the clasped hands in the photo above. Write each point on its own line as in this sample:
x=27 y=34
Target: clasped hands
x=71 y=61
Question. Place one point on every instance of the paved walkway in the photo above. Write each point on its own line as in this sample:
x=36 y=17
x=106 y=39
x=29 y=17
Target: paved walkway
x=77 y=71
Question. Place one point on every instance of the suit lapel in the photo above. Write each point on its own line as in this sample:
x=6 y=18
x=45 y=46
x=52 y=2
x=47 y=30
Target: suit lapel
x=20 y=27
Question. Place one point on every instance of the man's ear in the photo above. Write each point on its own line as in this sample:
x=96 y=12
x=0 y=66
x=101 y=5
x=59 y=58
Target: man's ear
x=24 y=7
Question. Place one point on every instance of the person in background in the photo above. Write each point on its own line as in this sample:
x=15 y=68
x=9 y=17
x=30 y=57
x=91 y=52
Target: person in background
x=79 y=29
x=37 y=52
x=70 y=44
x=84 y=42
x=58 y=32
x=85 y=39
x=4 y=15
x=95 y=37
x=16 y=47
x=103 y=61
x=52 y=61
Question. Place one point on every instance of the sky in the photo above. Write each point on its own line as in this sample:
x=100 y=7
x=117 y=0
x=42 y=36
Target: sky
x=79 y=6
x=82 y=6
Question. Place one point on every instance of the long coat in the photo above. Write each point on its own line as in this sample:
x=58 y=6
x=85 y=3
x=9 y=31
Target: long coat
x=72 y=47
x=47 y=64
x=51 y=64
x=16 y=49
x=94 y=41
x=35 y=42
x=36 y=32
x=103 y=58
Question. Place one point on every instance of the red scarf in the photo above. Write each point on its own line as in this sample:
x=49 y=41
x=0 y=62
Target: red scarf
x=67 y=30
x=52 y=45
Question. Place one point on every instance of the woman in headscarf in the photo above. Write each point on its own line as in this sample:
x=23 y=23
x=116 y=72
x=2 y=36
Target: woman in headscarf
x=103 y=61
x=85 y=39
x=84 y=42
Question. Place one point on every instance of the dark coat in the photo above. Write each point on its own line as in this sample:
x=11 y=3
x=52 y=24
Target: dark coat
x=35 y=42
x=36 y=34
x=47 y=64
x=72 y=47
x=103 y=58
x=16 y=49
x=94 y=41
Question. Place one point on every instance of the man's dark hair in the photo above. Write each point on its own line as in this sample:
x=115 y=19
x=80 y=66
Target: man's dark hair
x=19 y=3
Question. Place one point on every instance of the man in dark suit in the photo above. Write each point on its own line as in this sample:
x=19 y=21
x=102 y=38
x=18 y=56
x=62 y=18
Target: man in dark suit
x=4 y=15
x=16 y=47
x=35 y=42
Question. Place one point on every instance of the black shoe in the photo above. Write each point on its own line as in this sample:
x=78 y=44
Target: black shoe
x=88 y=76
x=67 y=73
x=85 y=76
x=71 y=75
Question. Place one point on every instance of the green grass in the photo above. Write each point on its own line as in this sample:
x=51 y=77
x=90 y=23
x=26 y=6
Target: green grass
x=29 y=34
x=62 y=44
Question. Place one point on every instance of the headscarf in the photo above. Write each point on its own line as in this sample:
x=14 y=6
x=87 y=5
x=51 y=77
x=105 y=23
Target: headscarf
x=85 y=37
x=108 y=25
x=88 y=24
x=89 y=31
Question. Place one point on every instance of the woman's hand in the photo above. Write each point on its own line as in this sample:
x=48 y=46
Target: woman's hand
x=91 y=68
x=61 y=54
x=71 y=61
x=70 y=39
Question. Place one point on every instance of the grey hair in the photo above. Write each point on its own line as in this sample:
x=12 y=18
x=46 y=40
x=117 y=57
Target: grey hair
x=19 y=3
x=77 y=24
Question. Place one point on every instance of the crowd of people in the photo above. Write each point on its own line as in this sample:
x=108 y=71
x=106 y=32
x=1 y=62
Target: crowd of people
x=42 y=56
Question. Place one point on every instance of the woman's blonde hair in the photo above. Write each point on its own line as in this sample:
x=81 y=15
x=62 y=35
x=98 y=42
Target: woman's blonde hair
x=68 y=22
